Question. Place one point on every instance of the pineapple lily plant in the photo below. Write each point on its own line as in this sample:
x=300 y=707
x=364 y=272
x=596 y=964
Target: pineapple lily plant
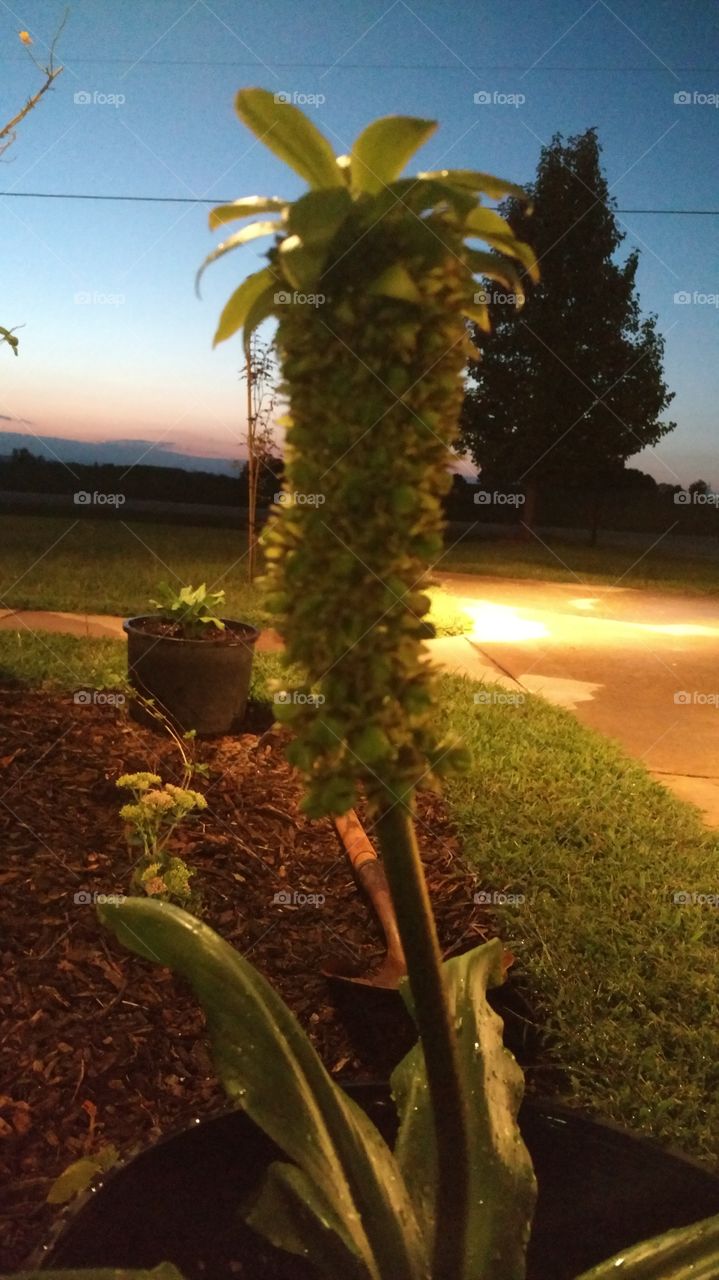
x=373 y=376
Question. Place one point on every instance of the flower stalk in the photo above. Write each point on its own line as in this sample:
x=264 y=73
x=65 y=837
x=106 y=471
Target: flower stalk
x=415 y=920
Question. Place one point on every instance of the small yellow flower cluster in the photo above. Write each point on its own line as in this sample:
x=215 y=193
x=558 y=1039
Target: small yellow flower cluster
x=158 y=800
x=151 y=819
x=138 y=781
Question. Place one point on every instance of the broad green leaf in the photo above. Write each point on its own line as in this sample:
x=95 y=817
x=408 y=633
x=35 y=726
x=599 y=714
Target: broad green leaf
x=396 y=282
x=419 y=196
x=469 y=349
x=9 y=337
x=487 y=225
x=502 y=1185
x=495 y=188
x=244 y=208
x=477 y=312
x=269 y=1068
x=480 y=221
x=515 y=249
x=291 y=1214
x=78 y=1175
x=382 y=150
x=262 y=308
x=301 y=263
x=689 y=1253
x=165 y=1271
x=290 y=135
x=495 y=268
x=237 y=309
x=238 y=238
x=317 y=216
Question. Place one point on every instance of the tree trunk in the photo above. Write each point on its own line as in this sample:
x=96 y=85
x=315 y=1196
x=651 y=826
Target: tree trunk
x=595 y=518
x=528 y=512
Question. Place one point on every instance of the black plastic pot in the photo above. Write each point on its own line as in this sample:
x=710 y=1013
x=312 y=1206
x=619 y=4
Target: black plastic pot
x=199 y=684
x=601 y=1190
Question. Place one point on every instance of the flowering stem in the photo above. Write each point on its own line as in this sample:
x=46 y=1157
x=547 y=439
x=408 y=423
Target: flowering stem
x=405 y=875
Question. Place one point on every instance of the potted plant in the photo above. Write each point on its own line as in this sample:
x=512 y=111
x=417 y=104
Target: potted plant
x=453 y=1197
x=194 y=665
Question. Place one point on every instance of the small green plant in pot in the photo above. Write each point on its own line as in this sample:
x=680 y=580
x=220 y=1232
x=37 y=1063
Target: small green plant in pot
x=454 y=1199
x=195 y=666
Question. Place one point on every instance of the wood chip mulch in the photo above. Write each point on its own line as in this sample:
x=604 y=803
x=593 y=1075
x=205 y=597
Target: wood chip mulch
x=99 y=1047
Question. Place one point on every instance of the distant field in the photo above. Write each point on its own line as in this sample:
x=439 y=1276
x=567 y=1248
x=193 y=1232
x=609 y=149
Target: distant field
x=102 y=566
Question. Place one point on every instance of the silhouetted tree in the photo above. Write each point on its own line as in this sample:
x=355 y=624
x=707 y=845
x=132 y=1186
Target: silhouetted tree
x=572 y=385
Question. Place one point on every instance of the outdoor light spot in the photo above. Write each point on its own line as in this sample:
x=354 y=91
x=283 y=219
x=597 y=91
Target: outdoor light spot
x=499 y=622
x=587 y=602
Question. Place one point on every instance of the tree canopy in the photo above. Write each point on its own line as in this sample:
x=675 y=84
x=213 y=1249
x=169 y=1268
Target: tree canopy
x=571 y=385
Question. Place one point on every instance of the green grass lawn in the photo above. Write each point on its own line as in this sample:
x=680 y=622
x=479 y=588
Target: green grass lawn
x=623 y=978
x=558 y=561
x=102 y=566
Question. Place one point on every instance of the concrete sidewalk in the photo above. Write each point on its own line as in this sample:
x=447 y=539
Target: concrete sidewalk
x=637 y=666
x=98 y=626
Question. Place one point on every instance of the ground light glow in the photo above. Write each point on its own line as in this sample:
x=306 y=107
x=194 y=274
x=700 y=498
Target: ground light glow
x=499 y=622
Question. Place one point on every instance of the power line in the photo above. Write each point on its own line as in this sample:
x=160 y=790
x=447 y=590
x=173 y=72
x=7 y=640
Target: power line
x=358 y=66
x=68 y=195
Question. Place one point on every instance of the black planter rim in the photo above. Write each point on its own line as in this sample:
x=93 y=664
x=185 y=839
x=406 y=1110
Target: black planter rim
x=248 y=637
x=539 y=1105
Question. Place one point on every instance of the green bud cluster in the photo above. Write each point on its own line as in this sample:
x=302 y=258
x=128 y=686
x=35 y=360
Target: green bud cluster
x=372 y=283
x=375 y=387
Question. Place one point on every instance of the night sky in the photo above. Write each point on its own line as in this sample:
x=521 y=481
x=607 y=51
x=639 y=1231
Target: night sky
x=115 y=344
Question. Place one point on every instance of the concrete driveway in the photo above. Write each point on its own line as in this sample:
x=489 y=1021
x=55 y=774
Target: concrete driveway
x=638 y=667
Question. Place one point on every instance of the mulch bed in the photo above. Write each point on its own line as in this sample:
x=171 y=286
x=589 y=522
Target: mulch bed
x=98 y=1046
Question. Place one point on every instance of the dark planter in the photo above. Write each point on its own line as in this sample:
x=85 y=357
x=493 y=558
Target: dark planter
x=199 y=684
x=601 y=1190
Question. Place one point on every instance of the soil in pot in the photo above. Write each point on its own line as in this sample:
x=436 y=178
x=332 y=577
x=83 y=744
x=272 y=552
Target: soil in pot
x=601 y=1190
x=199 y=683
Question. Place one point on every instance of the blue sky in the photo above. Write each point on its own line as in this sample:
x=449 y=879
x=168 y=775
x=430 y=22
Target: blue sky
x=115 y=344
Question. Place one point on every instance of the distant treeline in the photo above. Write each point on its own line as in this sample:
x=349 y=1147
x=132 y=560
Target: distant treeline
x=632 y=501
x=23 y=472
